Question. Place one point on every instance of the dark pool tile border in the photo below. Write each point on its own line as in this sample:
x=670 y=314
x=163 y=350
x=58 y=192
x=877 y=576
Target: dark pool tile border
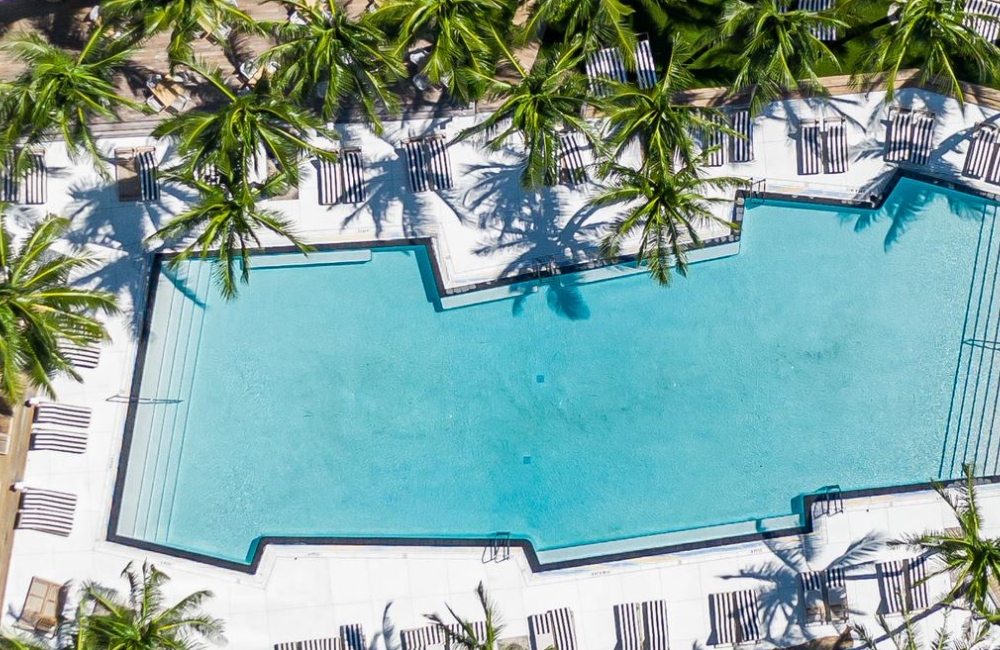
x=743 y=196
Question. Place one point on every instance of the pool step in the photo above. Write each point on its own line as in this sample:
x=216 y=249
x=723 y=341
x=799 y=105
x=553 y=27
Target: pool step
x=160 y=418
x=972 y=434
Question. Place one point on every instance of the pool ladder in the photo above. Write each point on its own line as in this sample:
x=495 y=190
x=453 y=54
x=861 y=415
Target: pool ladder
x=498 y=549
x=829 y=501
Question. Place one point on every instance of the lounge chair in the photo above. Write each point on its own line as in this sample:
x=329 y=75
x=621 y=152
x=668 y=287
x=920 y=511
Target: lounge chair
x=342 y=181
x=428 y=163
x=923 y=137
x=428 y=637
x=735 y=617
x=42 y=607
x=57 y=413
x=46 y=511
x=439 y=163
x=82 y=357
x=29 y=187
x=136 y=171
x=352 y=637
x=69 y=441
x=628 y=625
x=899 y=137
x=741 y=148
x=836 y=595
x=572 y=170
x=983 y=17
x=642 y=626
x=645 y=67
x=822 y=32
x=325 y=643
x=835 y=146
x=416 y=165
x=553 y=629
x=810 y=148
x=713 y=141
x=456 y=630
x=813 y=598
x=910 y=136
x=602 y=66
x=903 y=586
x=982 y=154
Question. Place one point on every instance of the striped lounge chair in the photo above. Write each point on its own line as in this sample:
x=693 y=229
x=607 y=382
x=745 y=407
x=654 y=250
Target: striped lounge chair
x=59 y=427
x=645 y=67
x=572 y=168
x=981 y=159
x=810 y=152
x=342 y=181
x=642 y=626
x=910 y=137
x=428 y=637
x=57 y=413
x=553 y=629
x=903 y=586
x=602 y=66
x=824 y=596
x=983 y=17
x=713 y=141
x=83 y=357
x=814 y=596
x=735 y=617
x=46 y=511
x=136 y=170
x=428 y=163
x=28 y=186
x=741 y=148
x=835 y=156
x=822 y=32
x=352 y=637
x=836 y=595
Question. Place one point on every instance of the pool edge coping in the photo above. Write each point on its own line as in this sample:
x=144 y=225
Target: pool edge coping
x=260 y=544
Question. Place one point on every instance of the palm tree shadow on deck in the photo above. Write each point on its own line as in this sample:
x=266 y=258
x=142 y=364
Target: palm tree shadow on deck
x=781 y=575
x=117 y=230
x=530 y=224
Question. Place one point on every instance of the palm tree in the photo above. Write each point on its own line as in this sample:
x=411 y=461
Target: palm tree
x=972 y=560
x=933 y=36
x=600 y=23
x=329 y=49
x=227 y=219
x=463 y=34
x=186 y=20
x=655 y=120
x=40 y=310
x=60 y=91
x=140 y=620
x=973 y=636
x=663 y=207
x=779 y=47
x=466 y=637
x=537 y=107
x=244 y=132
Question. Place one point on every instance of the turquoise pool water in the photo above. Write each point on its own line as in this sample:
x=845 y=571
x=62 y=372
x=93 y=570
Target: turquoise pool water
x=335 y=400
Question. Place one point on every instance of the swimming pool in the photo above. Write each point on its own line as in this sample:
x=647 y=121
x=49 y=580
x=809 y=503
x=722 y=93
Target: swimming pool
x=334 y=400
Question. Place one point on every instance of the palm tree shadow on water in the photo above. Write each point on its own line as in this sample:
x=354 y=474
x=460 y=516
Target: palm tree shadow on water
x=530 y=226
x=903 y=209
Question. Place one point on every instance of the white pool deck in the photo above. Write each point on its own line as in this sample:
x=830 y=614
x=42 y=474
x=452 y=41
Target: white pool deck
x=484 y=229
